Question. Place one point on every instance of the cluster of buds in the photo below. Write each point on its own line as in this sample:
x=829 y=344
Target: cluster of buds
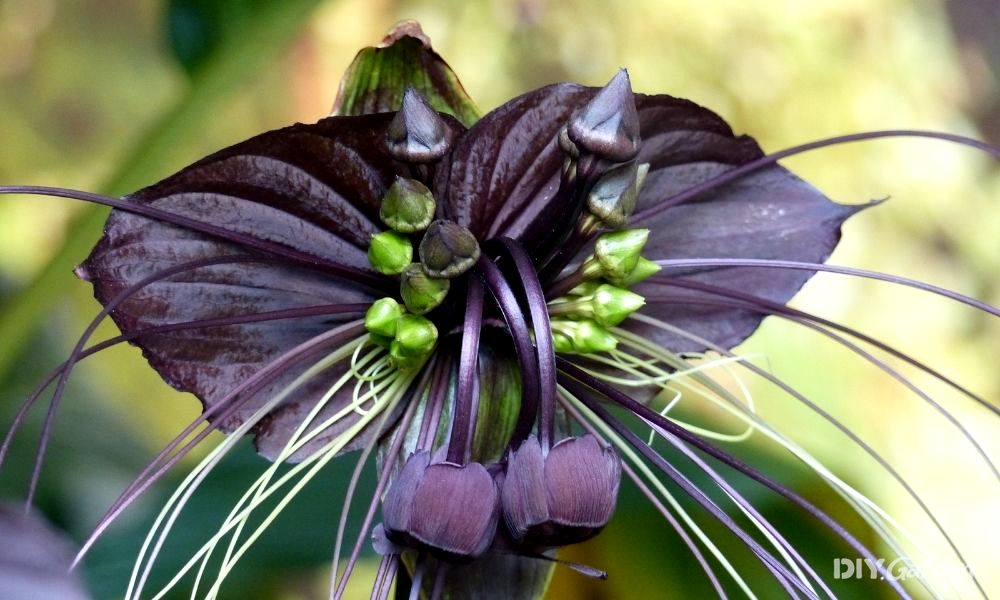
x=581 y=318
x=419 y=136
x=410 y=338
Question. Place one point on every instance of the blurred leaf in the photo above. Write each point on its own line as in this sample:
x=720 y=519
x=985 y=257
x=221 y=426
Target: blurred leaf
x=379 y=75
x=237 y=58
x=195 y=29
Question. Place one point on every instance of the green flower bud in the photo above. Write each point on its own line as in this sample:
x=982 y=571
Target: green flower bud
x=421 y=293
x=381 y=317
x=588 y=337
x=618 y=252
x=408 y=206
x=611 y=305
x=587 y=288
x=612 y=199
x=390 y=252
x=562 y=343
x=643 y=270
x=448 y=249
x=581 y=337
x=380 y=340
x=415 y=339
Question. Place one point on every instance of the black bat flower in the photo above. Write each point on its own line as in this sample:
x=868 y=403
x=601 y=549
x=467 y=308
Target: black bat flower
x=470 y=297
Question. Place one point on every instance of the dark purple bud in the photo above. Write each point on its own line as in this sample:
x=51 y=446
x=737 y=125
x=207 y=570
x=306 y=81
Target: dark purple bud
x=608 y=125
x=417 y=134
x=446 y=509
x=564 y=497
x=612 y=199
x=448 y=249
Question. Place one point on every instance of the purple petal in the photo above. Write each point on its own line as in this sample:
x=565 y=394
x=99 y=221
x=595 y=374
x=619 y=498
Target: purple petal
x=770 y=214
x=505 y=171
x=455 y=509
x=314 y=188
x=582 y=481
x=398 y=503
x=523 y=494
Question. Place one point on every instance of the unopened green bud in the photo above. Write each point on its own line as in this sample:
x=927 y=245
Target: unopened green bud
x=562 y=343
x=408 y=206
x=591 y=337
x=612 y=305
x=421 y=293
x=380 y=340
x=618 y=252
x=448 y=249
x=587 y=288
x=643 y=270
x=612 y=199
x=382 y=316
x=581 y=337
x=415 y=339
x=390 y=252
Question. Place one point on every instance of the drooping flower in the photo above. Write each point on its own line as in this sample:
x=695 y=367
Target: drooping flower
x=466 y=295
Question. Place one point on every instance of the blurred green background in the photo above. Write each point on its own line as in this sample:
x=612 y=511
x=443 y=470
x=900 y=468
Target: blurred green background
x=114 y=94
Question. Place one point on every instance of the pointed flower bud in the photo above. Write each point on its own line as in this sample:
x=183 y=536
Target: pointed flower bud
x=644 y=269
x=585 y=336
x=446 y=509
x=389 y=252
x=417 y=134
x=613 y=197
x=448 y=249
x=408 y=206
x=618 y=252
x=608 y=126
x=415 y=339
x=382 y=316
x=561 y=497
x=421 y=293
x=612 y=305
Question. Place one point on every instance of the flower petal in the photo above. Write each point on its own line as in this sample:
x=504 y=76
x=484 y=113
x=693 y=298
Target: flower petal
x=505 y=171
x=312 y=188
x=770 y=214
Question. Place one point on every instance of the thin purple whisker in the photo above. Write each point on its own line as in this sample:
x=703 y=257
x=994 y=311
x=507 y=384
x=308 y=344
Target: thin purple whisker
x=368 y=278
x=808 y=266
x=225 y=407
x=781 y=311
x=577 y=386
x=706 y=567
x=846 y=431
x=771 y=159
x=678 y=432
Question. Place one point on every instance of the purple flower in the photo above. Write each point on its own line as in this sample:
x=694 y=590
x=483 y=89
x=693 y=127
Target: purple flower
x=478 y=301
